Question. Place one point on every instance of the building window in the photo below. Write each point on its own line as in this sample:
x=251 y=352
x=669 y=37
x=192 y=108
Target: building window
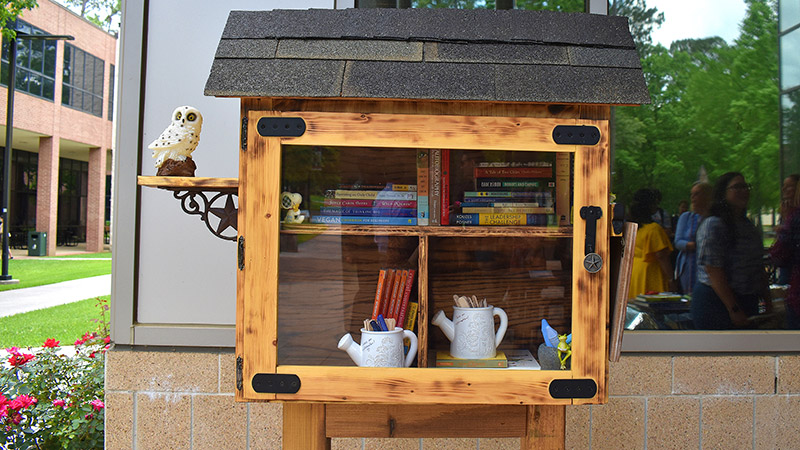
x=73 y=187
x=111 y=72
x=36 y=63
x=789 y=14
x=83 y=81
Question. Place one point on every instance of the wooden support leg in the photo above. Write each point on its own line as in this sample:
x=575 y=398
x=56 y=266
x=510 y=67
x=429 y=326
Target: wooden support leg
x=546 y=428
x=304 y=427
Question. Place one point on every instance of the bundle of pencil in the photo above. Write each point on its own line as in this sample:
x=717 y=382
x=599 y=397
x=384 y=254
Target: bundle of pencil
x=469 y=302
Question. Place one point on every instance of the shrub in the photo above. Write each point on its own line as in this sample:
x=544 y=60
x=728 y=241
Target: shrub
x=54 y=401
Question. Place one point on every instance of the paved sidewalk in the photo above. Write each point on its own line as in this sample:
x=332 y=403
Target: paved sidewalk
x=29 y=299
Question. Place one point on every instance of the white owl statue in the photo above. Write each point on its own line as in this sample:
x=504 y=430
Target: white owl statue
x=173 y=149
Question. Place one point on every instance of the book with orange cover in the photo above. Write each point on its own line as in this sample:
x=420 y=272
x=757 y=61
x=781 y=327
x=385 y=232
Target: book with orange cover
x=376 y=308
x=386 y=296
x=397 y=291
x=403 y=304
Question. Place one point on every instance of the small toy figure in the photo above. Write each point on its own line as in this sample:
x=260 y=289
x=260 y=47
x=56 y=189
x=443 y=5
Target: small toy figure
x=564 y=350
x=291 y=201
x=174 y=147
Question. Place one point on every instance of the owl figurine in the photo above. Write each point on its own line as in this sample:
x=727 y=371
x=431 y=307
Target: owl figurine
x=173 y=149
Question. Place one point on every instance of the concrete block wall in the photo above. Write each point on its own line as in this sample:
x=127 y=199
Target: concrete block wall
x=184 y=399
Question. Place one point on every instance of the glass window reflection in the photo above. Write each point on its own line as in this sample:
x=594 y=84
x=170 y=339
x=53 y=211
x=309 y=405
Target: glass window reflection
x=790 y=59
x=789 y=13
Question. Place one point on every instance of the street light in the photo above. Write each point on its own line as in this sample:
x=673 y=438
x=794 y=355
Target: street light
x=5 y=278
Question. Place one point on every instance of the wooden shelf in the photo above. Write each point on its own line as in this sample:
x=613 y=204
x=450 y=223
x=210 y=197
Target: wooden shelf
x=190 y=183
x=444 y=231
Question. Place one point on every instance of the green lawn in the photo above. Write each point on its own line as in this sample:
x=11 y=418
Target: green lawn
x=40 y=271
x=65 y=323
x=82 y=255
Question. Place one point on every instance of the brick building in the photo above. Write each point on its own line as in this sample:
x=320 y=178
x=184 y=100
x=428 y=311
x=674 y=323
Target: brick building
x=63 y=110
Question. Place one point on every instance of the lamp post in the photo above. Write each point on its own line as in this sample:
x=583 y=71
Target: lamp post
x=5 y=278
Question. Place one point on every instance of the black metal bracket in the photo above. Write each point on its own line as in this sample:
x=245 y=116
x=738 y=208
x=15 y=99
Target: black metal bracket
x=244 y=133
x=590 y=214
x=281 y=126
x=276 y=383
x=220 y=208
x=576 y=388
x=240 y=253
x=576 y=135
x=618 y=219
x=239 y=376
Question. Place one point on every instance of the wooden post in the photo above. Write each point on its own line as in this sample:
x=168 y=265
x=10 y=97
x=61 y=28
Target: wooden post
x=546 y=428
x=304 y=427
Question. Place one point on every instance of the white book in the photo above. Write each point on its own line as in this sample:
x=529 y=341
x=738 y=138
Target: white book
x=521 y=359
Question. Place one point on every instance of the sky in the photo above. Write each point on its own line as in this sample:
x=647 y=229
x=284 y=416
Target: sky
x=697 y=19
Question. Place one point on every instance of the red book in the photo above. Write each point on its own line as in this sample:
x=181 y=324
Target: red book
x=445 y=218
x=376 y=308
x=513 y=172
x=401 y=316
x=397 y=291
x=386 y=295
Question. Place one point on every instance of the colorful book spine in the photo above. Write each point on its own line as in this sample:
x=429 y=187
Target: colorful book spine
x=376 y=307
x=512 y=210
x=563 y=188
x=499 y=204
x=423 y=181
x=379 y=187
x=370 y=194
x=435 y=194
x=444 y=359
x=445 y=218
x=411 y=316
x=513 y=164
x=386 y=295
x=513 y=172
x=400 y=312
x=489 y=183
x=364 y=220
x=388 y=212
x=497 y=194
x=500 y=219
x=397 y=292
x=367 y=203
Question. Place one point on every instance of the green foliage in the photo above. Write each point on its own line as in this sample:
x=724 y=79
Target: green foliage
x=715 y=106
x=9 y=13
x=52 y=400
x=62 y=322
x=99 y=12
x=41 y=271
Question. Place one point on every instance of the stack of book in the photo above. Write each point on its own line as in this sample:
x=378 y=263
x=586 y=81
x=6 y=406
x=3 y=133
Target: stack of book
x=508 y=359
x=389 y=204
x=393 y=297
x=508 y=193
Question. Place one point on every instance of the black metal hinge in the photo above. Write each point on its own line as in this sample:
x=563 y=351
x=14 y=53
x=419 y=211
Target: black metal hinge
x=575 y=388
x=240 y=253
x=281 y=126
x=239 y=376
x=276 y=383
x=576 y=135
x=244 y=133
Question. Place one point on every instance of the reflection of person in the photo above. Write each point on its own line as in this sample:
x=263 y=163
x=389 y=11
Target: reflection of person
x=730 y=272
x=786 y=254
x=685 y=233
x=652 y=270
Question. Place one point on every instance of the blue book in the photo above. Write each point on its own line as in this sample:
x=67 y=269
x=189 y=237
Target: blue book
x=364 y=220
x=388 y=212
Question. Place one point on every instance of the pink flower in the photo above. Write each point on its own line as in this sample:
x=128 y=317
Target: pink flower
x=59 y=402
x=97 y=404
x=16 y=418
x=91 y=355
x=107 y=339
x=89 y=416
x=19 y=359
x=3 y=410
x=22 y=402
x=79 y=342
x=51 y=343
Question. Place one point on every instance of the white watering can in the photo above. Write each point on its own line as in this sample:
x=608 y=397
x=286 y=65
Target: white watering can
x=380 y=348
x=471 y=333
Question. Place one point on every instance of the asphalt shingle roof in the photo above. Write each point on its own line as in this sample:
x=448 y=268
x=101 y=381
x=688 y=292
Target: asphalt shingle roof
x=441 y=54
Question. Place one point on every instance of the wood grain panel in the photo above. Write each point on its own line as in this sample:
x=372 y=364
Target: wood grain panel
x=189 y=182
x=623 y=284
x=240 y=279
x=425 y=421
x=389 y=106
x=260 y=214
x=304 y=427
x=454 y=230
x=418 y=385
x=590 y=301
x=429 y=131
x=546 y=428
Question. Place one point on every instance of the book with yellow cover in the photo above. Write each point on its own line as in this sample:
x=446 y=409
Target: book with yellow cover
x=445 y=359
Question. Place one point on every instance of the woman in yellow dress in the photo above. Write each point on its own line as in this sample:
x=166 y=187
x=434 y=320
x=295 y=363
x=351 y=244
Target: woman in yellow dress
x=652 y=269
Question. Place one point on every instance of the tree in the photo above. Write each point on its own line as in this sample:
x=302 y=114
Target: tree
x=9 y=13
x=100 y=12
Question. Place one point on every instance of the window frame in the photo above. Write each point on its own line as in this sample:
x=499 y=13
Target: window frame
x=25 y=71
x=74 y=81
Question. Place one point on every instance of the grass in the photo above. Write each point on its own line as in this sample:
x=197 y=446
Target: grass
x=65 y=323
x=83 y=255
x=41 y=271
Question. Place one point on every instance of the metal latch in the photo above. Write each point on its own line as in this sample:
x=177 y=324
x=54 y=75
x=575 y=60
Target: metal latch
x=592 y=262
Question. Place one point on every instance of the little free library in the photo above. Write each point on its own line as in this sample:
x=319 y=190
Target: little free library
x=425 y=240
